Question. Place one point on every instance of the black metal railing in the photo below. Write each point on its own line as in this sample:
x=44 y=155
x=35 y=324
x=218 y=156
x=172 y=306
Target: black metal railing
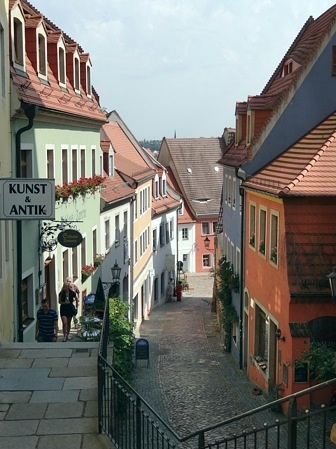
x=130 y=422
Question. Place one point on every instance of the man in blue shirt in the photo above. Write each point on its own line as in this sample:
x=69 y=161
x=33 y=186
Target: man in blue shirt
x=46 y=323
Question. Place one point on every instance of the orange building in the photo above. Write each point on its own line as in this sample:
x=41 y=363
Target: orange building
x=290 y=244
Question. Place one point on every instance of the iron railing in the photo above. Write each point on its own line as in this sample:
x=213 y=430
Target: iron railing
x=131 y=423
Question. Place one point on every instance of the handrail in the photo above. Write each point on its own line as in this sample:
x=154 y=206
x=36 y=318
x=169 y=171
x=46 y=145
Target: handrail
x=261 y=408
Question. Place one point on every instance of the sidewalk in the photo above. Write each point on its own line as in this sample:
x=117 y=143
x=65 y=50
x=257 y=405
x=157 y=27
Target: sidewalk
x=191 y=382
x=48 y=396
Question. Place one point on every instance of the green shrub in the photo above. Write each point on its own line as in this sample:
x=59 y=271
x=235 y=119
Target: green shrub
x=121 y=334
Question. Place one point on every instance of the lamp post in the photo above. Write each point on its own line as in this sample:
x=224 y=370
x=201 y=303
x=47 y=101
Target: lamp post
x=207 y=242
x=332 y=281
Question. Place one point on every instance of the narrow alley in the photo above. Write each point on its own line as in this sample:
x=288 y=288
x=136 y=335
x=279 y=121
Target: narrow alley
x=190 y=381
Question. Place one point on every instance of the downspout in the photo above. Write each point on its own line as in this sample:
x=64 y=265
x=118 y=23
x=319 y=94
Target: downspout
x=177 y=245
x=242 y=258
x=30 y=111
x=131 y=259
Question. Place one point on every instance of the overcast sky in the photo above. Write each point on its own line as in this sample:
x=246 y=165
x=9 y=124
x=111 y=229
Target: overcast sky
x=167 y=65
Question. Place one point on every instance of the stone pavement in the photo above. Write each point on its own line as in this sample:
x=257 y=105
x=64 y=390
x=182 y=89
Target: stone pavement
x=48 y=396
x=191 y=383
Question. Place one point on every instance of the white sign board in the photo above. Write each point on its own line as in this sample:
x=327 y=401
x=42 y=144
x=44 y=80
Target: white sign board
x=27 y=199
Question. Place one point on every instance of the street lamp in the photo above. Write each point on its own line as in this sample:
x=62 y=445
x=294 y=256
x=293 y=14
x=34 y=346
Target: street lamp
x=332 y=281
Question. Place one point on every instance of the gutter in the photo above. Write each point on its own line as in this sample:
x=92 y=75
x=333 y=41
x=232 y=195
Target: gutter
x=30 y=112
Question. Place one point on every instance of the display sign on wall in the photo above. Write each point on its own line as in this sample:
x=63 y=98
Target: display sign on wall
x=27 y=199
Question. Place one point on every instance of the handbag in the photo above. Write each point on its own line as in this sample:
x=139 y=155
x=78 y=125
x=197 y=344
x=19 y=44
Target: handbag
x=74 y=310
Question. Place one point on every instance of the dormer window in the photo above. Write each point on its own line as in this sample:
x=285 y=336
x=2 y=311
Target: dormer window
x=18 y=42
x=42 y=53
x=111 y=164
x=88 y=81
x=163 y=185
x=18 y=36
x=61 y=66
x=76 y=75
x=289 y=67
x=156 y=187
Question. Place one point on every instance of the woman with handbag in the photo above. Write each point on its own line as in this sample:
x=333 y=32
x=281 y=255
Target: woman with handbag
x=66 y=299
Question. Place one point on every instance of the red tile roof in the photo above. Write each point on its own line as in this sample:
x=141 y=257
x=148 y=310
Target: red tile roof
x=50 y=95
x=308 y=168
x=115 y=188
x=131 y=169
x=121 y=143
x=234 y=156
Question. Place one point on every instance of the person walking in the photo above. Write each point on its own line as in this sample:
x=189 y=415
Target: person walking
x=46 y=323
x=179 y=291
x=66 y=299
x=75 y=289
x=171 y=288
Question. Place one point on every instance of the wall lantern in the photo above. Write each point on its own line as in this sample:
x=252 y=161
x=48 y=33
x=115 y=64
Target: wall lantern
x=207 y=242
x=332 y=281
x=116 y=270
x=278 y=335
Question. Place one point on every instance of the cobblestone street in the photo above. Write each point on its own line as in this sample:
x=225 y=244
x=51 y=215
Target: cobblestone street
x=191 y=382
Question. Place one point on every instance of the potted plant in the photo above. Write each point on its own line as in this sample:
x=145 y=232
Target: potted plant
x=262 y=247
x=81 y=187
x=86 y=271
x=274 y=254
x=98 y=260
x=252 y=239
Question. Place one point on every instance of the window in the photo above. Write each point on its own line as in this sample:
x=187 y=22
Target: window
x=162 y=238
x=163 y=187
x=163 y=284
x=93 y=161
x=235 y=332
x=274 y=238
x=26 y=163
x=238 y=262
x=234 y=192
x=83 y=252
x=125 y=224
x=156 y=188
x=2 y=62
x=18 y=42
x=135 y=251
x=141 y=245
x=42 y=50
x=64 y=166
x=76 y=74
x=205 y=228
x=171 y=229
x=111 y=164
x=206 y=260
x=167 y=233
x=74 y=165
x=252 y=229
x=50 y=164
x=333 y=61
x=107 y=235
x=88 y=80
x=261 y=338
x=61 y=65
x=184 y=233
x=117 y=230
x=262 y=231
x=82 y=155
x=65 y=260
x=135 y=207
x=154 y=243
x=226 y=189
x=75 y=262
x=94 y=242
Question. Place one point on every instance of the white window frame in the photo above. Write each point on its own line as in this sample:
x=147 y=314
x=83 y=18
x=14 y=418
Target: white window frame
x=17 y=15
x=40 y=31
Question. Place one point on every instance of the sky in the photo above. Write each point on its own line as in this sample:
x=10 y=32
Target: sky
x=180 y=66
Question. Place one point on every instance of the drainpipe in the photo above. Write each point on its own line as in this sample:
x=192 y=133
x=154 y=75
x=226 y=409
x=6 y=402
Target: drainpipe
x=239 y=171
x=30 y=111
